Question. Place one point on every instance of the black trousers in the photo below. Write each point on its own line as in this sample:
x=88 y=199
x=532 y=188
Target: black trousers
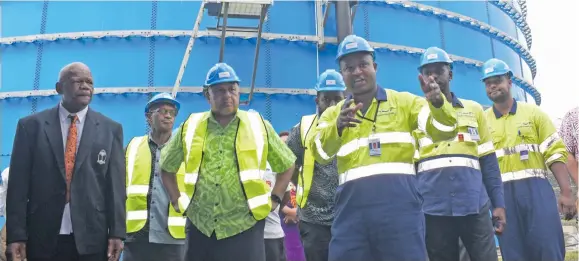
x=475 y=231
x=247 y=245
x=66 y=251
x=315 y=240
x=275 y=249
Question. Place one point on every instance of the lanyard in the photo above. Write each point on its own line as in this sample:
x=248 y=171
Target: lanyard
x=371 y=120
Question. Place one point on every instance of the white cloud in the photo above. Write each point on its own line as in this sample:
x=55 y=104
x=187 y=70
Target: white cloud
x=556 y=48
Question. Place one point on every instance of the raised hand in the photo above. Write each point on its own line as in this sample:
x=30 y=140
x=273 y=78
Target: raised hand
x=431 y=90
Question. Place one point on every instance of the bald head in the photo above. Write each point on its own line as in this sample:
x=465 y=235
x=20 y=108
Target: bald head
x=72 y=68
x=75 y=84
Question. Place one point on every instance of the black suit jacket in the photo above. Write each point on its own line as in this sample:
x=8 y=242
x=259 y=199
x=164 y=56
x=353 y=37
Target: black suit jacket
x=36 y=195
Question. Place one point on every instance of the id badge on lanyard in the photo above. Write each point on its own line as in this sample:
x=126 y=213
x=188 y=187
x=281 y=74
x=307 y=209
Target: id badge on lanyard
x=374 y=144
x=524 y=153
x=473 y=133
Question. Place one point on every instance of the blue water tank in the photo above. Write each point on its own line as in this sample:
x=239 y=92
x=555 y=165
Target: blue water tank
x=136 y=47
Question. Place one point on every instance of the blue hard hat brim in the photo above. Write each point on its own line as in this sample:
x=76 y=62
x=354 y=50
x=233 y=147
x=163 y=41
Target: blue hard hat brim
x=422 y=65
x=494 y=74
x=223 y=81
x=163 y=100
x=331 y=89
x=371 y=51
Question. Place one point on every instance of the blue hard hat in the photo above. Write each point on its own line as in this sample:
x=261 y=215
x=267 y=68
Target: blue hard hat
x=221 y=73
x=330 y=80
x=495 y=67
x=353 y=44
x=163 y=98
x=434 y=55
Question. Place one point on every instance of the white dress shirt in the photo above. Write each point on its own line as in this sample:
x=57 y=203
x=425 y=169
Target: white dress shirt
x=66 y=224
x=3 y=191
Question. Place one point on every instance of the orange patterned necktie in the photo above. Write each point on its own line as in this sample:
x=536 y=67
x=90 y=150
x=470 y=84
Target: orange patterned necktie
x=70 y=153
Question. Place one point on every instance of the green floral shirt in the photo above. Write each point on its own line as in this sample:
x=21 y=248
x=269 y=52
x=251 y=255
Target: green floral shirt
x=219 y=204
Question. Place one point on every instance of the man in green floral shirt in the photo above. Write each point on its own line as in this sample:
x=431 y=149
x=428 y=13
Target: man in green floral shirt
x=220 y=225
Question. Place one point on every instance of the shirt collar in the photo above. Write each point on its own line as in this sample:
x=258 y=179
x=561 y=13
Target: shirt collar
x=63 y=114
x=513 y=110
x=455 y=101
x=159 y=146
x=380 y=94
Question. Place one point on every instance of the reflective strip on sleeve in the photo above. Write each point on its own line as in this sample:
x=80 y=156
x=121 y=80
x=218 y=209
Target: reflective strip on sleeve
x=137 y=215
x=322 y=125
x=377 y=169
x=517 y=149
x=191 y=178
x=423 y=121
x=258 y=201
x=137 y=189
x=486 y=148
x=448 y=162
x=545 y=145
x=524 y=174
x=555 y=157
x=320 y=150
x=385 y=138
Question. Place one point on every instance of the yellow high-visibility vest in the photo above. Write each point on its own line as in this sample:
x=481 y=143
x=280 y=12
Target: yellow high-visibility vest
x=138 y=163
x=251 y=147
x=306 y=173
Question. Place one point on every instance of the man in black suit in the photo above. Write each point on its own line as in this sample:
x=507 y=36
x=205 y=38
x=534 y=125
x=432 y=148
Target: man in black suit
x=64 y=203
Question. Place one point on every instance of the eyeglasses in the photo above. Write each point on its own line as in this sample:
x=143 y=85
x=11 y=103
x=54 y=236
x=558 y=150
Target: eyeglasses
x=173 y=113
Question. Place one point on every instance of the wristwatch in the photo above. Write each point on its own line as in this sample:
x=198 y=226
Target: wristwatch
x=275 y=198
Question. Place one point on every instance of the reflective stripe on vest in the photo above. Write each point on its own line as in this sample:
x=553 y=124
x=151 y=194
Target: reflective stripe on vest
x=306 y=173
x=138 y=163
x=251 y=151
x=536 y=148
x=438 y=163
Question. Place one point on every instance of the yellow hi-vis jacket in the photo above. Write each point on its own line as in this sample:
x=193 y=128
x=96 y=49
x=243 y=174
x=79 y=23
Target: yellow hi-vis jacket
x=391 y=118
x=138 y=164
x=526 y=142
x=251 y=147
x=306 y=175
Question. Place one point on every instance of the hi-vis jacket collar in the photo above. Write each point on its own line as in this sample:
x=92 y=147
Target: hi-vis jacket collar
x=380 y=94
x=455 y=101
x=512 y=112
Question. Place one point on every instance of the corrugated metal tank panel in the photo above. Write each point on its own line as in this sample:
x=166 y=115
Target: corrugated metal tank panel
x=154 y=61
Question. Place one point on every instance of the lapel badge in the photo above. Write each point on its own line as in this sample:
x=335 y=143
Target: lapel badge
x=102 y=157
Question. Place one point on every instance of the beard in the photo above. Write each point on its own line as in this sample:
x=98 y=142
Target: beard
x=499 y=98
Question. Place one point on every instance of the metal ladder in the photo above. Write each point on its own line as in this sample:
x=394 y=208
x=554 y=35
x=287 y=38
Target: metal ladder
x=224 y=9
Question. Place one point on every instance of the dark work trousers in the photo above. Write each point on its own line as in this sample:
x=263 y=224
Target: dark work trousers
x=247 y=245
x=66 y=251
x=316 y=240
x=275 y=249
x=476 y=232
x=463 y=254
x=143 y=251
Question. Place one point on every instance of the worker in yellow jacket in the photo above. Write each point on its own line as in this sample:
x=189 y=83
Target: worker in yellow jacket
x=154 y=231
x=527 y=147
x=226 y=151
x=378 y=209
x=316 y=183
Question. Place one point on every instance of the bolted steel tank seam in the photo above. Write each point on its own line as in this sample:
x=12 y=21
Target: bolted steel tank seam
x=287 y=38
x=152 y=46
x=268 y=69
x=39 y=53
x=517 y=17
x=490 y=38
x=441 y=30
x=465 y=21
x=366 y=23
